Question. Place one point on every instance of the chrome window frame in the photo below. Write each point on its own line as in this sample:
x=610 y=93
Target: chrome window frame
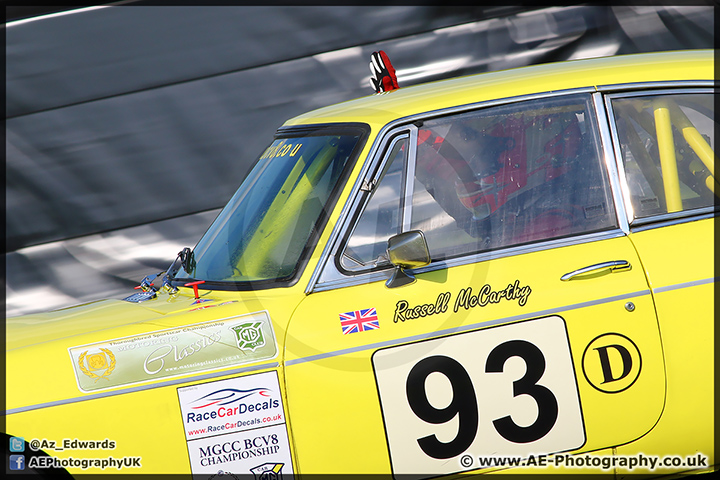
x=368 y=186
x=644 y=90
x=609 y=160
x=327 y=277
x=409 y=189
x=384 y=136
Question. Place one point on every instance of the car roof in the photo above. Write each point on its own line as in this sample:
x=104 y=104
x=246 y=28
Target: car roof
x=380 y=109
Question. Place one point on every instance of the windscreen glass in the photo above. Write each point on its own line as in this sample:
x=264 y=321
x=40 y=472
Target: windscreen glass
x=263 y=232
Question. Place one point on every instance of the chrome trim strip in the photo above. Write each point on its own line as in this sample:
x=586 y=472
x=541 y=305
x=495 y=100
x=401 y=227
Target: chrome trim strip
x=623 y=209
x=673 y=218
x=463 y=328
x=690 y=89
x=379 y=140
x=355 y=280
x=141 y=388
x=646 y=85
x=679 y=286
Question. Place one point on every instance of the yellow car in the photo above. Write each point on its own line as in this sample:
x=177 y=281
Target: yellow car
x=507 y=272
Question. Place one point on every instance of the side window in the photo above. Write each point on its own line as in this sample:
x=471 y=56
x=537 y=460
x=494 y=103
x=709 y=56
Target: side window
x=381 y=218
x=491 y=178
x=667 y=145
x=510 y=175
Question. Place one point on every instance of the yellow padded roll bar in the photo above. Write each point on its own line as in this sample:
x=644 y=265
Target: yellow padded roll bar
x=668 y=162
x=693 y=137
x=284 y=209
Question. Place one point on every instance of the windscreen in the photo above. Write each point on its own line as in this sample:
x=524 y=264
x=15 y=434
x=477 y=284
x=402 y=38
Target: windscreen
x=269 y=224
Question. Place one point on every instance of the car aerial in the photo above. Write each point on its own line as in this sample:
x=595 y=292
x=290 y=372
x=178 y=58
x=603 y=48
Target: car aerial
x=510 y=271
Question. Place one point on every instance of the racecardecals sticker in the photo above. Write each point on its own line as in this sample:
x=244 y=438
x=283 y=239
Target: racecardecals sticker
x=236 y=426
x=507 y=390
x=172 y=352
x=611 y=363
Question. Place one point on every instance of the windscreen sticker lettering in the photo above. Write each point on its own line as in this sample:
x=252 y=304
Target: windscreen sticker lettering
x=281 y=150
x=173 y=352
x=237 y=426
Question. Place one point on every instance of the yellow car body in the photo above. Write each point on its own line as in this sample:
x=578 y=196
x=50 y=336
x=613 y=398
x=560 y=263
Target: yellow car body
x=484 y=359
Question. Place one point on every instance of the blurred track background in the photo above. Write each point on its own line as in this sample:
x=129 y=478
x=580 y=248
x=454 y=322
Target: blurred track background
x=129 y=125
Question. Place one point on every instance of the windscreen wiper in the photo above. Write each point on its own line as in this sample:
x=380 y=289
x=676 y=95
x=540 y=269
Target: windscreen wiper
x=185 y=260
x=147 y=286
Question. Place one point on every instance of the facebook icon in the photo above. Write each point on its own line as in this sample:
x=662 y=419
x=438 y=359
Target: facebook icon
x=17 y=462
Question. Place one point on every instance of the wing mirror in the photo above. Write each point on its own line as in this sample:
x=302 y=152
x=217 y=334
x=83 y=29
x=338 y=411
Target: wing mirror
x=406 y=250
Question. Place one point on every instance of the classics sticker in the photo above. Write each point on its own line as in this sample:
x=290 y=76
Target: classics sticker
x=172 y=352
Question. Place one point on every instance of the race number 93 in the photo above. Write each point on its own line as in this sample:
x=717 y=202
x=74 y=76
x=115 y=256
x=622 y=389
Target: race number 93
x=507 y=390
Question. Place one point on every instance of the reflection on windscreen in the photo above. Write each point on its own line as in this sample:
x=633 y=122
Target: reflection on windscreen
x=263 y=231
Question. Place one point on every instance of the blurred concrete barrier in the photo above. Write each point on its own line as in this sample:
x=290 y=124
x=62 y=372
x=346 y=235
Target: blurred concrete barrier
x=126 y=120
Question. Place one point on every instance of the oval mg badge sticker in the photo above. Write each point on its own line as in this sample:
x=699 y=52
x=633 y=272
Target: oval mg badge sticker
x=249 y=335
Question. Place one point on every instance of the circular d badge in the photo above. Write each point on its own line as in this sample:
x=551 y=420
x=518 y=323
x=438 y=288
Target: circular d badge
x=611 y=363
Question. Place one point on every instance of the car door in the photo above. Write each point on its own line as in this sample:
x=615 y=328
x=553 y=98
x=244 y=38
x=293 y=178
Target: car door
x=531 y=331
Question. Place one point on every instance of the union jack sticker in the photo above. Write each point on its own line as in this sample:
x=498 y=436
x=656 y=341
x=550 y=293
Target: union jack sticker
x=359 y=321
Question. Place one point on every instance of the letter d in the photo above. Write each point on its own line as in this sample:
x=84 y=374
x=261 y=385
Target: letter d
x=605 y=362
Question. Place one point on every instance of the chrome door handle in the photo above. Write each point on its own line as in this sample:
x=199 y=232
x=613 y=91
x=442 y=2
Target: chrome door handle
x=613 y=265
